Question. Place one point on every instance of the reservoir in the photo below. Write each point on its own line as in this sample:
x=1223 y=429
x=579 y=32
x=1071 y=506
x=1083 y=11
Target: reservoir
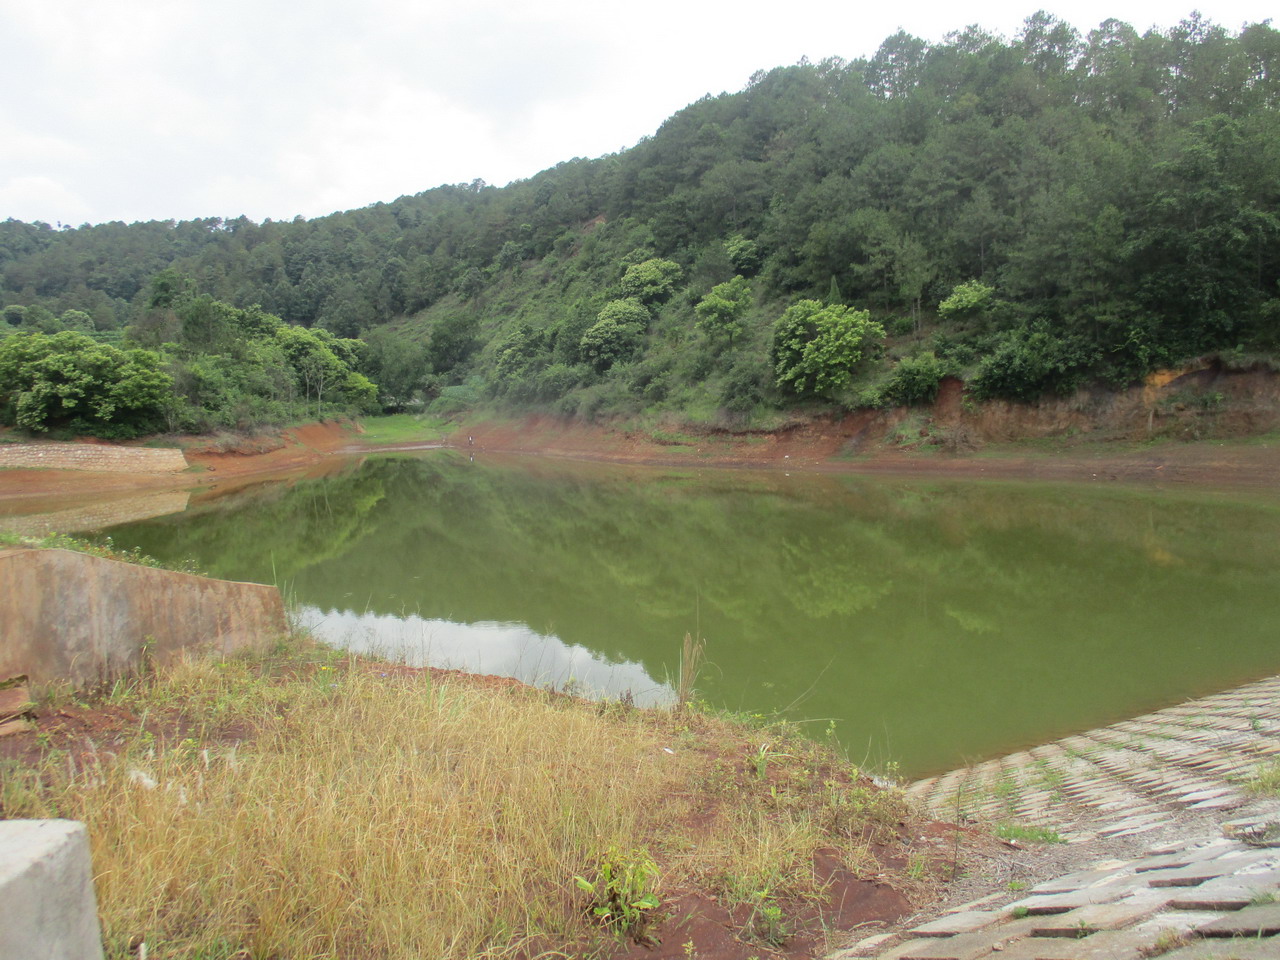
x=926 y=623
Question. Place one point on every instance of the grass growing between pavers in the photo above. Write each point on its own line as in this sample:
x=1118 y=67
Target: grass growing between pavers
x=1027 y=834
x=301 y=805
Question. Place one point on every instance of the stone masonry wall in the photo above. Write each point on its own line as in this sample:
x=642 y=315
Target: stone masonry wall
x=69 y=616
x=100 y=458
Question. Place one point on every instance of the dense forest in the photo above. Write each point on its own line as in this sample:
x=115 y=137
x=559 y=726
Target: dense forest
x=1030 y=214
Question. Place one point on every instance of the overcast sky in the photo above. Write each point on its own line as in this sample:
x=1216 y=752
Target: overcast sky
x=173 y=109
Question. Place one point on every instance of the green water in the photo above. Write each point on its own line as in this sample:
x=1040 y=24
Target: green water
x=935 y=622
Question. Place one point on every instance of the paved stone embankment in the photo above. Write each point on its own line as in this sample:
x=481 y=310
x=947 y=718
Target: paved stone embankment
x=96 y=457
x=1207 y=887
x=1187 y=900
x=1125 y=779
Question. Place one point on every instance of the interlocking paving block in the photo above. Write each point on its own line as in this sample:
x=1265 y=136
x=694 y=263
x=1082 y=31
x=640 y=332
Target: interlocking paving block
x=1184 y=858
x=956 y=923
x=1131 y=823
x=1071 y=882
x=968 y=946
x=1144 y=828
x=1194 y=875
x=1039 y=948
x=1265 y=948
x=1062 y=902
x=1174 y=923
x=1219 y=803
x=1260 y=921
x=1111 y=945
x=1095 y=917
x=980 y=902
x=867 y=947
x=1224 y=894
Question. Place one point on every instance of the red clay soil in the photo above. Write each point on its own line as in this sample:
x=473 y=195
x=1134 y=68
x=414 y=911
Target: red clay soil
x=855 y=444
x=216 y=464
x=869 y=442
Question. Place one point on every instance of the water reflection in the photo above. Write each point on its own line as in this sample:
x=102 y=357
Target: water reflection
x=501 y=649
x=934 y=622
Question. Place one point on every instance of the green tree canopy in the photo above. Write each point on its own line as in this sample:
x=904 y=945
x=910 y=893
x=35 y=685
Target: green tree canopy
x=816 y=346
x=721 y=311
x=70 y=380
x=651 y=280
x=616 y=333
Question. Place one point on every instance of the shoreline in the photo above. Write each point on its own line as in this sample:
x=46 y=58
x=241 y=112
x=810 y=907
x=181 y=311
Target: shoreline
x=820 y=446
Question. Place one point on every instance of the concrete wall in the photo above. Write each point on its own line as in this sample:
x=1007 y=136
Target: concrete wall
x=47 y=907
x=98 y=457
x=68 y=616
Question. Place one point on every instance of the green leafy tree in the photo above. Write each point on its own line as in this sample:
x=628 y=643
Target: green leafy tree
x=650 y=281
x=616 y=334
x=71 y=380
x=721 y=312
x=816 y=346
x=967 y=300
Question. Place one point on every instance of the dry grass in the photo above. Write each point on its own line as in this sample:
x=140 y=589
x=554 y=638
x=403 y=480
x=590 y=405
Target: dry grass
x=405 y=816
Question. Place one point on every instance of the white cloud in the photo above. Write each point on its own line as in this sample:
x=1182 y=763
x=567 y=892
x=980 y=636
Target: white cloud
x=30 y=199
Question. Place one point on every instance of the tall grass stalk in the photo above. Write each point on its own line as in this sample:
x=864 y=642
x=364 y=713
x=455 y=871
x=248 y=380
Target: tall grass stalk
x=690 y=667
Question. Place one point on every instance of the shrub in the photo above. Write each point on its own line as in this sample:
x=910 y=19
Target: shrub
x=915 y=380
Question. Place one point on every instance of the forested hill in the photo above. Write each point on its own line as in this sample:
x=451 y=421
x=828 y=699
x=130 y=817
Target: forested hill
x=1029 y=213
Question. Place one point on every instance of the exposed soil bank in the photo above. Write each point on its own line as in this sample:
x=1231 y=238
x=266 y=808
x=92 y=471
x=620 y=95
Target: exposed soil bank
x=1202 y=425
x=216 y=464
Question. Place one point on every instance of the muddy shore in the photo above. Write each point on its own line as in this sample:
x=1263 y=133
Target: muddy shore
x=834 y=445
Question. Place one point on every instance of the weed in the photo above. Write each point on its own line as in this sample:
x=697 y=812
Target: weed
x=622 y=895
x=1029 y=834
x=767 y=922
x=1265 y=780
x=690 y=666
x=917 y=866
x=1169 y=940
x=1013 y=886
x=1263 y=898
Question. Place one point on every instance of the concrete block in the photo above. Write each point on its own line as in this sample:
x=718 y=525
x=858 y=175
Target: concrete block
x=47 y=907
x=1261 y=921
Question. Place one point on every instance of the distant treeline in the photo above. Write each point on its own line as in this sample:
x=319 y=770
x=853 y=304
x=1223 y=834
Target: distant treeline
x=1028 y=213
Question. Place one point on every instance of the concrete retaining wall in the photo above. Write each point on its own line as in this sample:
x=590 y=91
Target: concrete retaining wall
x=69 y=616
x=100 y=458
x=46 y=892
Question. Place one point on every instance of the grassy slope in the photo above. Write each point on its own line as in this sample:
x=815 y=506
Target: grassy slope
x=300 y=805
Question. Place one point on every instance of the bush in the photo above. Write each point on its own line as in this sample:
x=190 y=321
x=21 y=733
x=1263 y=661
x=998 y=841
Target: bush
x=1030 y=361
x=915 y=380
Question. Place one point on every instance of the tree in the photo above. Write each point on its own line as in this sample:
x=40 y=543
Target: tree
x=616 y=333
x=720 y=312
x=968 y=299
x=71 y=380
x=650 y=281
x=817 y=346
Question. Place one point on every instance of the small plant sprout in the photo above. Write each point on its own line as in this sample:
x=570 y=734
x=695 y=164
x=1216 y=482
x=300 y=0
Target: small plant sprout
x=622 y=895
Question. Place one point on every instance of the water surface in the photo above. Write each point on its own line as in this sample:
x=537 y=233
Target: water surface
x=935 y=622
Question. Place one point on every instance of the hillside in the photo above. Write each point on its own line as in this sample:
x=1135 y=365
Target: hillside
x=1030 y=214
